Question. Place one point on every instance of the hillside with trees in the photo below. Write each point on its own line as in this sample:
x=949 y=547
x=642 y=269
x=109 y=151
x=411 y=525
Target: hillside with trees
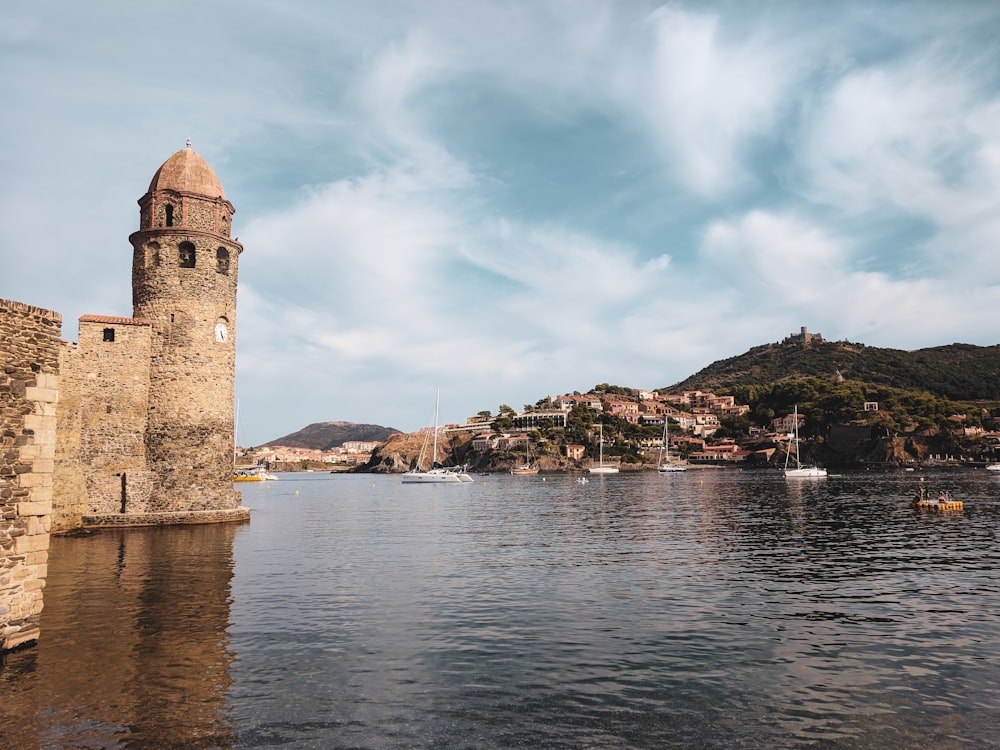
x=920 y=402
x=861 y=404
x=326 y=436
x=961 y=372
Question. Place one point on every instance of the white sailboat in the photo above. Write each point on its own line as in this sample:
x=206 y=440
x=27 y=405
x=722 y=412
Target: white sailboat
x=666 y=465
x=601 y=468
x=253 y=473
x=800 y=470
x=527 y=468
x=437 y=474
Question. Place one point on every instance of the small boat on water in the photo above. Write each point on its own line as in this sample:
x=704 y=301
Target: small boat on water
x=527 y=468
x=601 y=468
x=993 y=467
x=437 y=474
x=800 y=470
x=943 y=501
x=666 y=465
x=253 y=474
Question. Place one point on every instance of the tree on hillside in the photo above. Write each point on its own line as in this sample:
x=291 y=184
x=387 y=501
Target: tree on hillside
x=503 y=423
x=579 y=423
x=614 y=390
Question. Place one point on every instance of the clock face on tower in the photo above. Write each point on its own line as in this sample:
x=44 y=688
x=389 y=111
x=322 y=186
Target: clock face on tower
x=221 y=332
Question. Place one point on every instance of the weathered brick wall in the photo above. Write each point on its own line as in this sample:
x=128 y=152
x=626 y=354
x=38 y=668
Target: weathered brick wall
x=29 y=389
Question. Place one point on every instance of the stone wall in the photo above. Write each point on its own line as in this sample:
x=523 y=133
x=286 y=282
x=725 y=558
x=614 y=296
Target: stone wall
x=185 y=296
x=69 y=484
x=111 y=368
x=29 y=388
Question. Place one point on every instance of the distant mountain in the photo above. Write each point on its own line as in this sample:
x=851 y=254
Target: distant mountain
x=326 y=436
x=962 y=372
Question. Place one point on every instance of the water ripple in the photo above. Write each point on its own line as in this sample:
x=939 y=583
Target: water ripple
x=710 y=609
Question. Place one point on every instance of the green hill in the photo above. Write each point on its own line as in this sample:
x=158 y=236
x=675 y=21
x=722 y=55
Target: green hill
x=325 y=436
x=959 y=372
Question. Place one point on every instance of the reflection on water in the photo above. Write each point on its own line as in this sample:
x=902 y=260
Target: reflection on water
x=708 y=609
x=133 y=650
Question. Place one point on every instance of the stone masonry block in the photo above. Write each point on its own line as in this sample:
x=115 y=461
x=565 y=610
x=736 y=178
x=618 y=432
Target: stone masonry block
x=34 y=508
x=29 y=480
x=43 y=466
x=33 y=422
x=45 y=409
x=34 y=543
x=41 y=494
x=36 y=558
x=46 y=395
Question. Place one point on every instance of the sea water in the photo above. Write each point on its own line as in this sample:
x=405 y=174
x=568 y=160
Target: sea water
x=710 y=609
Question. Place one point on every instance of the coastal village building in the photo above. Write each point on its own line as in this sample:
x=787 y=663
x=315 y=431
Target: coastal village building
x=539 y=418
x=648 y=408
x=351 y=453
x=786 y=424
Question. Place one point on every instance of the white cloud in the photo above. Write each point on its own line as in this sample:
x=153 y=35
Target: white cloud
x=782 y=259
x=704 y=99
x=918 y=141
x=479 y=196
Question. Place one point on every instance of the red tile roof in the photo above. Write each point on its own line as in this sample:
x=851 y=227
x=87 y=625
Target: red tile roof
x=113 y=320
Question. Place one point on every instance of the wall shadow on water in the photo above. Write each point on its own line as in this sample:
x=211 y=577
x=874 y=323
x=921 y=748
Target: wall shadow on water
x=134 y=646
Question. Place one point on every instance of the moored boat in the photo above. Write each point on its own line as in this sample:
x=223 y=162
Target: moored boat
x=527 y=468
x=666 y=465
x=801 y=470
x=437 y=474
x=943 y=501
x=252 y=474
x=601 y=468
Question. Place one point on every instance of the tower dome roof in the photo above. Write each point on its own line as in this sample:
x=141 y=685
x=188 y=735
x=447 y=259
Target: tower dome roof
x=187 y=172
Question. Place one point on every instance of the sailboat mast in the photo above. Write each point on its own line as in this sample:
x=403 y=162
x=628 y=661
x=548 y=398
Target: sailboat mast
x=437 y=402
x=798 y=463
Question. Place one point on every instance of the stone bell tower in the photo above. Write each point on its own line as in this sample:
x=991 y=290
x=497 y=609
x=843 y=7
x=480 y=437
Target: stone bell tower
x=184 y=270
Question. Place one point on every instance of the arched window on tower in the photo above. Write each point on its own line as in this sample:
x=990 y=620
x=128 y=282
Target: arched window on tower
x=222 y=260
x=185 y=255
x=169 y=209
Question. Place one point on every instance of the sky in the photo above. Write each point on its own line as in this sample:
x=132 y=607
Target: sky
x=504 y=201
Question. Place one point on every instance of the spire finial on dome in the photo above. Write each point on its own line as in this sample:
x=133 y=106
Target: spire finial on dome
x=188 y=143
